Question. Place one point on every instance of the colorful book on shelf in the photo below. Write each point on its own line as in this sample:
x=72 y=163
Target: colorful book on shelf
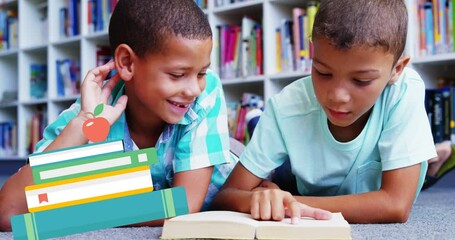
x=64 y=193
x=93 y=165
x=452 y=22
x=38 y=80
x=247 y=29
x=68 y=77
x=286 y=42
x=296 y=33
x=35 y=128
x=154 y=205
x=452 y=115
x=311 y=10
x=235 y=225
x=259 y=65
x=64 y=154
x=278 y=49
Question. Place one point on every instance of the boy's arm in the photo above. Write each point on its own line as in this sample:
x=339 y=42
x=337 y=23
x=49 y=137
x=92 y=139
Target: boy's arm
x=236 y=193
x=12 y=194
x=196 y=183
x=12 y=197
x=391 y=203
x=243 y=192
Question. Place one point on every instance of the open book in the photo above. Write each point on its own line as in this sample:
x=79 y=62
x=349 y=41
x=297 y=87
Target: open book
x=235 y=225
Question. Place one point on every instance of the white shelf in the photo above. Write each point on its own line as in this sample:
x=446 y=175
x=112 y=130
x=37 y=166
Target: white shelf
x=34 y=102
x=235 y=7
x=65 y=98
x=289 y=75
x=39 y=47
x=67 y=41
x=9 y=52
x=5 y=105
x=12 y=159
x=435 y=59
x=239 y=81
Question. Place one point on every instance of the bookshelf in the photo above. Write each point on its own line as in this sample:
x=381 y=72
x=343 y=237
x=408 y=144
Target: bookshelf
x=431 y=45
x=40 y=41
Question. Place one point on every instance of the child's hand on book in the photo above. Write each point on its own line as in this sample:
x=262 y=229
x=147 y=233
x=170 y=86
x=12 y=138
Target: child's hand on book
x=271 y=203
x=93 y=93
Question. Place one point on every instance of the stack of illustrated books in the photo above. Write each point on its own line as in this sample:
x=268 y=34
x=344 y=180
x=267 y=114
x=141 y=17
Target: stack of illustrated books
x=92 y=187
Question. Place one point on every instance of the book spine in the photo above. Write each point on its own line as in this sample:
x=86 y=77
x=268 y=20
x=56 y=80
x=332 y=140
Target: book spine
x=296 y=13
x=93 y=165
x=437 y=109
x=429 y=33
x=452 y=115
x=86 y=150
x=446 y=105
x=109 y=213
x=86 y=189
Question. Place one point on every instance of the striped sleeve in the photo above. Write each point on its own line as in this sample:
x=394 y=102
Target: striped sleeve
x=55 y=128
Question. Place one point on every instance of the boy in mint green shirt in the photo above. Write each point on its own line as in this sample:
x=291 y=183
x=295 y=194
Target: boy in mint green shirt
x=353 y=137
x=163 y=95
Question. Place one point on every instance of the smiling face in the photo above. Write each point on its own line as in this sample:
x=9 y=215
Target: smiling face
x=166 y=83
x=348 y=82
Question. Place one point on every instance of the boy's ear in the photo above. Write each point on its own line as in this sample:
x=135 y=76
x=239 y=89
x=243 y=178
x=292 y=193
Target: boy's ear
x=398 y=68
x=124 y=63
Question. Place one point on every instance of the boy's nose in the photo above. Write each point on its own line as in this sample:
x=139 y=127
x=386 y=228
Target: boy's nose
x=192 y=88
x=339 y=95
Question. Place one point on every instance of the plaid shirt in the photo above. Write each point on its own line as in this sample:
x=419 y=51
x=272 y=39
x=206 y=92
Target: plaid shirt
x=200 y=139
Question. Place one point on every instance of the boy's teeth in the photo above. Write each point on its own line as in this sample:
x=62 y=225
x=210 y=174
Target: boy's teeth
x=179 y=105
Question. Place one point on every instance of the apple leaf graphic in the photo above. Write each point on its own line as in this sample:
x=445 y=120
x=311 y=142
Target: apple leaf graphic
x=98 y=109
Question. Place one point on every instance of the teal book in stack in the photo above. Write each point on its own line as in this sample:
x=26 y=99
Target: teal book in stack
x=108 y=213
x=92 y=187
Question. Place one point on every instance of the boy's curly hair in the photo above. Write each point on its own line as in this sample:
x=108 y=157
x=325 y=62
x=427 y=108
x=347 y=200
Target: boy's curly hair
x=371 y=23
x=144 y=25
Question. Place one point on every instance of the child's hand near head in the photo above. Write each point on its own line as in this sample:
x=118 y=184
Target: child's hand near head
x=94 y=91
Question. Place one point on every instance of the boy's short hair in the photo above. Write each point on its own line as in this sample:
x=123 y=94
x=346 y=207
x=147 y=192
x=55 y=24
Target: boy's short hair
x=370 y=23
x=145 y=25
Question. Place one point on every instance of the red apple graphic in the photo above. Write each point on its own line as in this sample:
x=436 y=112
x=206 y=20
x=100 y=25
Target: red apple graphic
x=96 y=129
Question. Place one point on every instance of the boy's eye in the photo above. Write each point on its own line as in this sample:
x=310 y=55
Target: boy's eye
x=202 y=74
x=323 y=74
x=361 y=82
x=176 y=75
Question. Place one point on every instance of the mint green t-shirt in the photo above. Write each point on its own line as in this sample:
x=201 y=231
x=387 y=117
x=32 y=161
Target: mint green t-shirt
x=294 y=127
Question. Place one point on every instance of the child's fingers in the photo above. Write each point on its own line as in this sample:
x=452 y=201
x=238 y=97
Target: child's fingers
x=107 y=88
x=278 y=203
x=121 y=104
x=260 y=205
x=292 y=207
x=99 y=73
x=104 y=70
x=254 y=207
x=316 y=213
x=265 y=208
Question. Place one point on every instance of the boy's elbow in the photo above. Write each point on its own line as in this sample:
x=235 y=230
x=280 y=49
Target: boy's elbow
x=5 y=223
x=402 y=215
x=399 y=213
